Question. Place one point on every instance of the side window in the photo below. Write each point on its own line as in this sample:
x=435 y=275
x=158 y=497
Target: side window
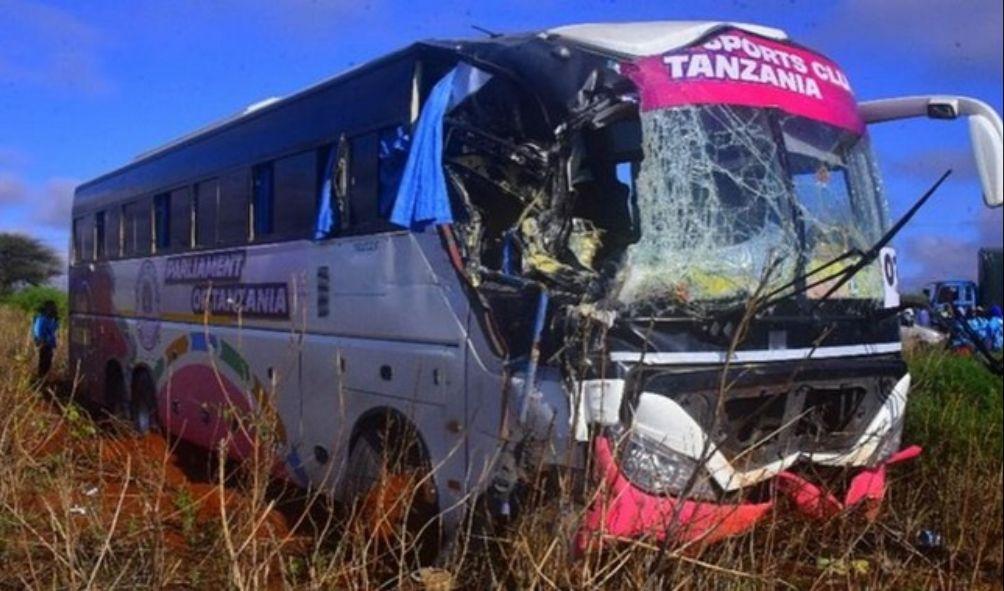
x=364 y=183
x=87 y=238
x=263 y=201
x=136 y=228
x=113 y=233
x=125 y=231
x=295 y=182
x=162 y=222
x=375 y=163
x=206 y=201
x=79 y=228
x=180 y=219
x=393 y=155
x=339 y=176
x=99 y=235
x=232 y=216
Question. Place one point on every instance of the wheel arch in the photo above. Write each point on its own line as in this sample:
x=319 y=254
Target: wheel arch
x=114 y=375
x=379 y=417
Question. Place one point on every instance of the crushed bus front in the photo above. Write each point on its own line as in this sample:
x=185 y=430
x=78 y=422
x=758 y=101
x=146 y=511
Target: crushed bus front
x=665 y=254
x=664 y=476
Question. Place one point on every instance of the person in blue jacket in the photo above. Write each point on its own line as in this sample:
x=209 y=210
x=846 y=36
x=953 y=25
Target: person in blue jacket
x=44 y=328
x=996 y=328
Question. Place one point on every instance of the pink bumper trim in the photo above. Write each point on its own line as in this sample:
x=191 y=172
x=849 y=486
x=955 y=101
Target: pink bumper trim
x=623 y=510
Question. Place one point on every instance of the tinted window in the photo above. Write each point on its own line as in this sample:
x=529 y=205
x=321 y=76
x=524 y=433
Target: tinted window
x=295 y=179
x=99 y=235
x=206 y=201
x=232 y=215
x=263 y=201
x=364 y=181
x=162 y=222
x=136 y=228
x=393 y=155
x=113 y=233
x=80 y=229
x=181 y=219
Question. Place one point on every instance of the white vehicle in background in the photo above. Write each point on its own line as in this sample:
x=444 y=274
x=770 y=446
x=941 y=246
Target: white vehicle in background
x=661 y=246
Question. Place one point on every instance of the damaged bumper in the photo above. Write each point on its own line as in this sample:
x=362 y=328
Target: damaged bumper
x=623 y=510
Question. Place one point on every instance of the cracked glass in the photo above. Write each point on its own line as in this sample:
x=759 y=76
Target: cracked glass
x=732 y=199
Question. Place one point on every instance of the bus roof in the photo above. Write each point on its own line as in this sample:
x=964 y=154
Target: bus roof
x=641 y=39
x=616 y=40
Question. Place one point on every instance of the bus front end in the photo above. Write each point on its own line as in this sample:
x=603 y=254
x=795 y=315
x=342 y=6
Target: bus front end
x=736 y=371
x=677 y=265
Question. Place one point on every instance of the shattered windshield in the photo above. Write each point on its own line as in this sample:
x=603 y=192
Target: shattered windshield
x=838 y=197
x=731 y=198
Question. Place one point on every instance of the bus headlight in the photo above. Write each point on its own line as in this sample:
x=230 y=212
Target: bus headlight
x=658 y=469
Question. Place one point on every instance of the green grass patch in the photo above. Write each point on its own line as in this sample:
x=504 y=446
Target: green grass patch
x=955 y=406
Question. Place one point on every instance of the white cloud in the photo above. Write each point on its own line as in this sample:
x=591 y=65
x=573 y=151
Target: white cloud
x=46 y=205
x=49 y=47
x=12 y=189
x=945 y=256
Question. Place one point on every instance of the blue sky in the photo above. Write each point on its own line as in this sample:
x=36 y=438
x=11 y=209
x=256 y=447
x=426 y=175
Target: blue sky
x=85 y=86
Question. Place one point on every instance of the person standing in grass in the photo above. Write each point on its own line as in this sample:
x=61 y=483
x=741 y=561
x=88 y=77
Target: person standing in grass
x=44 y=327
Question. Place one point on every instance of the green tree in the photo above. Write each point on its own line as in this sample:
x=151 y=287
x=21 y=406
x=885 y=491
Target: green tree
x=25 y=260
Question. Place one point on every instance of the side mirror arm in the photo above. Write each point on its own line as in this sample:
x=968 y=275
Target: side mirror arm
x=985 y=129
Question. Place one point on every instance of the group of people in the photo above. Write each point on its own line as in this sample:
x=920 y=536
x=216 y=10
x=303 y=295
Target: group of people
x=978 y=324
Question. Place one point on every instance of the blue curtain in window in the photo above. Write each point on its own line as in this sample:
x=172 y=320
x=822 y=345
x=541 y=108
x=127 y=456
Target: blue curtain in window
x=327 y=216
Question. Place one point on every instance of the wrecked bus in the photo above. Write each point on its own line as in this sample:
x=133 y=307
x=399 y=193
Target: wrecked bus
x=657 y=251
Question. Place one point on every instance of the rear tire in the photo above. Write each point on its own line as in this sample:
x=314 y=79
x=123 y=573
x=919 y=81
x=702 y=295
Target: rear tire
x=143 y=405
x=115 y=393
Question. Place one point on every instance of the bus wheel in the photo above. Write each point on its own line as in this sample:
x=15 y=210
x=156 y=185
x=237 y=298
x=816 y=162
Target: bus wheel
x=388 y=481
x=143 y=406
x=115 y=391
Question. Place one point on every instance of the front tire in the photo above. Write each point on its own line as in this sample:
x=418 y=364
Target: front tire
x=392 y=493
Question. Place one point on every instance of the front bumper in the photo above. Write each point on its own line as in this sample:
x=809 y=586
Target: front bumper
x=622 y=510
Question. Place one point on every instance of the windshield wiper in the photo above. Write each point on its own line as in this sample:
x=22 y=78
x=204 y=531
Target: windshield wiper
x=844 y=275
x=872 y=253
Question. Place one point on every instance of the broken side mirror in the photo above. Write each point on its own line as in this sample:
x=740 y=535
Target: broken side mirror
x=985 y=130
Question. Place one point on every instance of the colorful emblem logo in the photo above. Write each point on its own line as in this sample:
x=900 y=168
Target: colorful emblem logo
x=147 y=306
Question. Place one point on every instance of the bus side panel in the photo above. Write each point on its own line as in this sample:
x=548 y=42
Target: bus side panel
x=213 y=382
x=98 y=333
x=385 y=338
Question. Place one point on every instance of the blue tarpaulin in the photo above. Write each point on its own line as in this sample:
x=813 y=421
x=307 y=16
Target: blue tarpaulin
x=392 y=156
x=422 y=197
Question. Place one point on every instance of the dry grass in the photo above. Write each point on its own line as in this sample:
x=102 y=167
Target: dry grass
x=87 y=504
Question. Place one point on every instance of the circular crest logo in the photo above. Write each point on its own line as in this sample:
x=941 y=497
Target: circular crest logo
x=147 y=306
